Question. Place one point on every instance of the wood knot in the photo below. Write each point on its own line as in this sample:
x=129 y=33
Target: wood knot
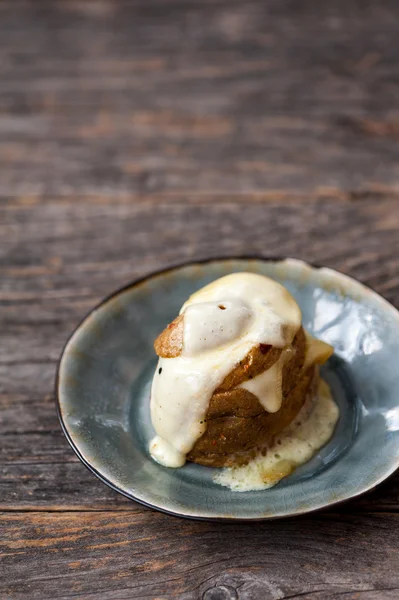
x=220 y=592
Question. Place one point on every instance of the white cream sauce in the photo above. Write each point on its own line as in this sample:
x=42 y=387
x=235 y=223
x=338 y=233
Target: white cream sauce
x=212 y=325
x=268 y=386
x=222 y=322
x=296 y=445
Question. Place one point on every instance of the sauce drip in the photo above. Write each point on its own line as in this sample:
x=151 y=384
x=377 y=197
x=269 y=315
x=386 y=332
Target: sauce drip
x=268 y=386
x=309 y=431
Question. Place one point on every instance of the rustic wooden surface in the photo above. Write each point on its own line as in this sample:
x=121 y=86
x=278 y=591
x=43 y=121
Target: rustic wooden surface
x=137 y=134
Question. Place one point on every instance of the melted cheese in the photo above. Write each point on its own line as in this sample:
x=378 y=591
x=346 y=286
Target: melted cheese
x=222 y=322
x=317 y=352
x=310 y=430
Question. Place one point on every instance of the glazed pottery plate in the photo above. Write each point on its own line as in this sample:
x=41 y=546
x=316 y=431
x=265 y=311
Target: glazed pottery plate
x=104 y=380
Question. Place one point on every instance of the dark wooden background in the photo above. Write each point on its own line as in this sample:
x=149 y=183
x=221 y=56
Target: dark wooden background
x=137 y=134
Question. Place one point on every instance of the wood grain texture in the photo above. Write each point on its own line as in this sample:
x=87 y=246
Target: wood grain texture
x=114 y=98
x=141 y=554
x=135 y=135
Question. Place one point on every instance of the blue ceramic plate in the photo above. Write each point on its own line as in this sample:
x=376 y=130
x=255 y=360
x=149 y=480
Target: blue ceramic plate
x=105 y=372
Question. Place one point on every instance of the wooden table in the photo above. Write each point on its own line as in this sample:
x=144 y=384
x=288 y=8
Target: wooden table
x=138 y=134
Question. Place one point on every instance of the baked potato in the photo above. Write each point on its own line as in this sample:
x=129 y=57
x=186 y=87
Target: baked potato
x=236 y=422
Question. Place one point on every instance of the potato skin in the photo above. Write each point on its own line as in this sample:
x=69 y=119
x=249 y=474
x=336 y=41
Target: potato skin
x=169 y=343
x=237 y=424
x=260 y=358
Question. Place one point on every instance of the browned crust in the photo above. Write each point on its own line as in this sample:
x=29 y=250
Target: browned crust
x=260 y=358
x=292 y=369
x=238 y=425
x=169 y=343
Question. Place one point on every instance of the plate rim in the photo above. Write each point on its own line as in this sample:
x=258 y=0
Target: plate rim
x=164 y=271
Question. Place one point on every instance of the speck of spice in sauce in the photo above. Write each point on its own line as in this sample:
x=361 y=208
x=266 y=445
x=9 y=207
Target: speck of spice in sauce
x=160 y=370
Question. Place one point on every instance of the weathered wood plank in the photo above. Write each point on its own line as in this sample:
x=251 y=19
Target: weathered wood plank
x=115 y=98
x=67 y=254
x=149 y=555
